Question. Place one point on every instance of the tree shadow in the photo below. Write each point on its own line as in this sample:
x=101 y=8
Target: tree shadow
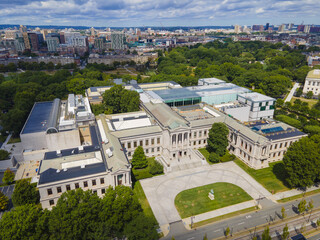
x=295 y=209
x=280 y=172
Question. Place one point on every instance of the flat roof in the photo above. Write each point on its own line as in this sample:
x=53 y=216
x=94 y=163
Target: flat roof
x=256 y=97
x=177 y=93
x=212 y=80
x=38 y=118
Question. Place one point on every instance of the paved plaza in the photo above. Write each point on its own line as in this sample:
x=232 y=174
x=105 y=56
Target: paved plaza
x=162 y=190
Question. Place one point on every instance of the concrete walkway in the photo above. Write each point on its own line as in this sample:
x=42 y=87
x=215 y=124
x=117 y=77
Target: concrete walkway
x=6 y=141
x=291 y=193
x=218 y=212
x=290 y=95
x=162 y=190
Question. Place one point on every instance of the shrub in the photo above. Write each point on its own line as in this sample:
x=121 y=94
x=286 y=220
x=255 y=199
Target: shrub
x=155 y=168
x=4 y=154
x=8 y=176
x=4 y=200
x=214 y=157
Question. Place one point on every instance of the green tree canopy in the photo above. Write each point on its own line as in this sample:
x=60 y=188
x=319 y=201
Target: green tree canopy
x=8 y=176
x=4 y=154
x=139 y=159
x=302 y=163
x=4 y=200
x=119 y=100
x=25 y=193
x=218 y=138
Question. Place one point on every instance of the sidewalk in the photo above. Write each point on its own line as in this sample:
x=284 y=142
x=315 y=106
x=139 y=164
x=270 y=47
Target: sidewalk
x=291 y=193
x=218 y=212
x=290 y=95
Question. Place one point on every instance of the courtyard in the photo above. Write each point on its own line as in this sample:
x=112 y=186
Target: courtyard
x=161 y=191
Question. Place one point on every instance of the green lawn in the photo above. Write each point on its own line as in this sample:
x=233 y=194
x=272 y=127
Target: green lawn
x=271 y=178
x=195 y=201
x=138 y=191
x=14 y=140
x=310 y=102
x=205 y=153
x=144 y=172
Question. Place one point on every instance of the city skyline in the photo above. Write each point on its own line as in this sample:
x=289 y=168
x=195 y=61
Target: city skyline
x=138 y=13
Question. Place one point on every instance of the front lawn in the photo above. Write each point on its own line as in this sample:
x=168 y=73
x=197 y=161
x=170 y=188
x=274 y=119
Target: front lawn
x=272 y=178
x=196 y=201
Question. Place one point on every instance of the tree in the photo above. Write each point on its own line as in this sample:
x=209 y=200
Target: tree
x=25 y=193
x=155 y=167
x=22 y=223
x=4 y=200
x=214 y=157
x=310 y=207
x=283 y=213
x=266 y=234
x=142 y=228
x=218 y=138
x=318 y=222
x=227 y=232
x=309 y=95
x=302 y=206
x=285 y=232
x=139 y=159
x=4 y=154
x=302 y=163
x=8 y=176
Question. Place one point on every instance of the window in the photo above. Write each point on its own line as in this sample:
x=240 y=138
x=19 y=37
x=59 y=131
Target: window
x=152 y=149
x=147 y=150
x=147 y=142
x=85 y=184
x=51 y=202
x=280 y=145
x=95 y=191
x=141 y=143
x=135 y=144
x=49 y=191
x=263 y=108
x=205 y=133
x=194 y=143
x=152 y=141
x=199 y=142
x=158 y=149
x=260 y=104
x=129 y=144
x=194 y=134
x=267 y=103
x=205 y=141
x=59 y=190
x=129 y=154
x=285 y=145
x=158 y=140
x=94 y=182
x=101 y=180
x=76 y=185
x=274 y=154
x=200 y=134
x=103 y=191
x=276 y=146
x=68 y=187
x=279 y=153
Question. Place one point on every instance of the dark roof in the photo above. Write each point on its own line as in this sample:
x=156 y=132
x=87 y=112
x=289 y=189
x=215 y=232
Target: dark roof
x=51 y=175
x=285 y=134
x=73 y=151
x=38 y=118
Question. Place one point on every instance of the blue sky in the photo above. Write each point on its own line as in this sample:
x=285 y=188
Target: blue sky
x=121 y=13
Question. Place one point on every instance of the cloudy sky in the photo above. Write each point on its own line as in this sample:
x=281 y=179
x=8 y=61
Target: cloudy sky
x=120 y=13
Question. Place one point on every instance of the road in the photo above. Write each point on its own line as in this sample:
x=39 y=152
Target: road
x=238 y=224
x=292 y=91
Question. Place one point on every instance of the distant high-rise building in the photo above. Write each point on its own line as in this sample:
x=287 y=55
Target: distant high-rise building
x=92 y=31
x=237 y=29
x=11 y=34
x=117 y=40
x=257 y=28
x=26 y=40
x=314 y=29
x=52 y=43
x=290 y=26
x=19 y=44
x=99 y=43
x=282 y=28
x=306 y=29
x=267 y=27
x=300 y=28
x=22 y=29
x=34 y=41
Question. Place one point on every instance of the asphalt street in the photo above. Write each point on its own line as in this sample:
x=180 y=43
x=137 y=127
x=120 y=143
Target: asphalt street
x=238 y=224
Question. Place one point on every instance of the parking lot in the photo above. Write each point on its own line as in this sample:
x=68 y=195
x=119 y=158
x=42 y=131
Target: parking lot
x=8 y=191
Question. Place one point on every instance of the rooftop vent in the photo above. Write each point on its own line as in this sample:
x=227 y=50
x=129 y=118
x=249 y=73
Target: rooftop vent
x=58 y=152
x=58 y=170
x=83 y=166
x=80 y=148
x=65 y=169
x=109 y=152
